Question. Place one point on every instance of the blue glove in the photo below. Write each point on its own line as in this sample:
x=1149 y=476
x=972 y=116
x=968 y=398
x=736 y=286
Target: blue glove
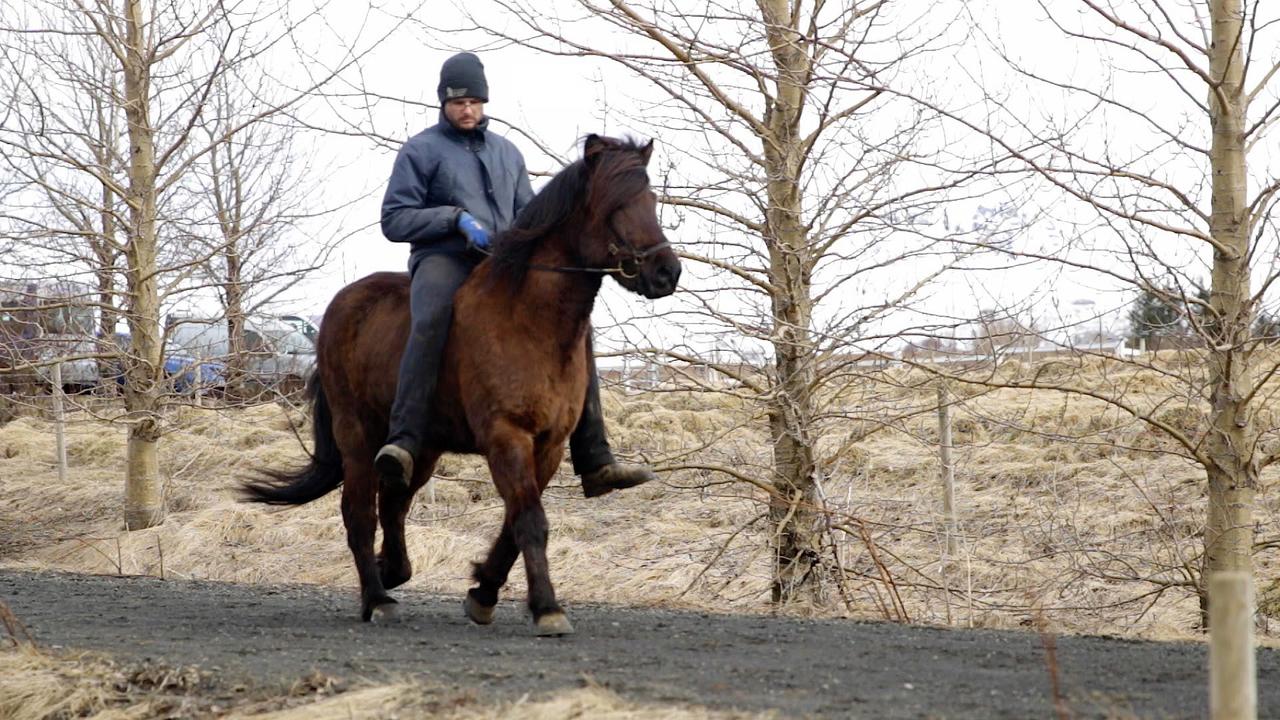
x=477 y=236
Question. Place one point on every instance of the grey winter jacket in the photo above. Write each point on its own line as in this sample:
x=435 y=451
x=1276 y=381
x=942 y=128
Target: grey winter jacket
x=442 y=171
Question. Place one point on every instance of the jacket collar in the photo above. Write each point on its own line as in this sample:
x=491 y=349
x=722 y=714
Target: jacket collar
x=465 y=136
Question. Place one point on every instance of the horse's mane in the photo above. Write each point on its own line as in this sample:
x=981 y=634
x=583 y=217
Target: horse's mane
x=618 y=170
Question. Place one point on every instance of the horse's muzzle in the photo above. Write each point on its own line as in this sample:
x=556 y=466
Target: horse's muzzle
x=659 y=278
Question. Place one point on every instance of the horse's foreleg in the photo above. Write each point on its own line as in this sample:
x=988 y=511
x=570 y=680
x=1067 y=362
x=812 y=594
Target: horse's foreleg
x=493 y=572
x=516 y=473
x=491 y=576
x=547 y=461
x=530 y=530
x=359 y=514
x=394 y=566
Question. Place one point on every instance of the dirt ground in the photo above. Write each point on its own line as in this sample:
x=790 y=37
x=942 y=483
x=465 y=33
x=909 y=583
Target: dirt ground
x=262 y=636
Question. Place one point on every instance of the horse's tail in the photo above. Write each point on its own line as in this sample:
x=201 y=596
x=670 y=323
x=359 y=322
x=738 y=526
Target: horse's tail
x=321 y=475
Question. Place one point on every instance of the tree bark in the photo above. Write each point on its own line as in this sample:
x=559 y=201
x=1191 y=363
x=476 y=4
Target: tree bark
x=144 y=502
x=105 y=255
x=104 y=276
x=1231 y=443
x=233 y=293
x=793 y=510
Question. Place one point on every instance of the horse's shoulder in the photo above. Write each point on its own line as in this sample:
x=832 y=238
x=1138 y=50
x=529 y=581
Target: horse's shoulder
x=486 y=286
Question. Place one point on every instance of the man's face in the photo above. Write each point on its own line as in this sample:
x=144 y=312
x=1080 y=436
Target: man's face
x=464 y=113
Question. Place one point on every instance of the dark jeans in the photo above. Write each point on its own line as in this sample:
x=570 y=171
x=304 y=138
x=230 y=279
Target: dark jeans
x=435 y=280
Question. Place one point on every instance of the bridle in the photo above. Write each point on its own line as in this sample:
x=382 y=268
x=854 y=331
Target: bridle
x=634 y=255
x=617 y=246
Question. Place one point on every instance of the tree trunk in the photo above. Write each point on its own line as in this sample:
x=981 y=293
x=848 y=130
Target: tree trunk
x=103 y=245
x=229 y=202
x=793 y=511
x=144 y=502
x=1231 y=443
x=104 y=276
x=237 y=359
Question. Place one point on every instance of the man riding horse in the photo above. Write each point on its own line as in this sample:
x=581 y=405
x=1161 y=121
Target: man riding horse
x=452 y=187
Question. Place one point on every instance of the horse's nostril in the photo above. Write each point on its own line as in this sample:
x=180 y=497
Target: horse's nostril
x=669 y=275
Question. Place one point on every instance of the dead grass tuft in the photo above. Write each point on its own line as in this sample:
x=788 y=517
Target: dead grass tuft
x=596 y=703
x=36 y=685
x=412 y=700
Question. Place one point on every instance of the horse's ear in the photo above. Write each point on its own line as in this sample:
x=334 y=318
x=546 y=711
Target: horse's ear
x=592 y=147
x=646 y=152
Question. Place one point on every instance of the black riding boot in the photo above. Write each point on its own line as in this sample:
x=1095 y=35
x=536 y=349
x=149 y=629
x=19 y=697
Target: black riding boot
x=435 y=280
x=589 y=446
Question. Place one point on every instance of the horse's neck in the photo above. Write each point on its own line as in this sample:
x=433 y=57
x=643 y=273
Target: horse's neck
x=558 y=302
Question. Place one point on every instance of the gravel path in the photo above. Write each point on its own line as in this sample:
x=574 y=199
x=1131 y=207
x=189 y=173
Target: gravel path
x=267 y=635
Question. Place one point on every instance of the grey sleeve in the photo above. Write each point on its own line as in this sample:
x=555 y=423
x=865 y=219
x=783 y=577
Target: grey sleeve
x=405 y=214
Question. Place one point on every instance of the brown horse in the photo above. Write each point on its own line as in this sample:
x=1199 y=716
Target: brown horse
x=512 y=383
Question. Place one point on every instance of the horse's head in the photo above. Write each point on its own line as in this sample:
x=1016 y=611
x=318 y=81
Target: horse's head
x=622 y=230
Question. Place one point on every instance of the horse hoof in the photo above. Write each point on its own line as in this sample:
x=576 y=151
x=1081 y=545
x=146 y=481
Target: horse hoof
x=554 y=625
x=478 y=614
x=392 y=579
x=386 y=613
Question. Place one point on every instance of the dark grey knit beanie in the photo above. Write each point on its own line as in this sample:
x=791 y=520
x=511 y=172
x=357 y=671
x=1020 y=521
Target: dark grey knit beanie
x=462 y=76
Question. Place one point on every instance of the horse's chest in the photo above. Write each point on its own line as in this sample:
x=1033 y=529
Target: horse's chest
x=558 y=388
x=527 y=381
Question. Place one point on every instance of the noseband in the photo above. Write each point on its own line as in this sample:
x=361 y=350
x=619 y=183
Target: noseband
x=616 y=247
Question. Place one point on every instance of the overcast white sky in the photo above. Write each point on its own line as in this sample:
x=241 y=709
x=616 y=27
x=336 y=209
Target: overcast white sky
x=558 y=100
x=555 y=100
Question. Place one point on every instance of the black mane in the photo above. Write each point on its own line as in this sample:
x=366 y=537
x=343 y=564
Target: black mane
x=616 y=181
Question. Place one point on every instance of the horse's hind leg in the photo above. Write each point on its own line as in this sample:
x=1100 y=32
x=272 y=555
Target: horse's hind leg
x=360 y=515
x=393 y=507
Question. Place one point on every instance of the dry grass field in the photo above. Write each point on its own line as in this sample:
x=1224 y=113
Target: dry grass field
x=1073 y=519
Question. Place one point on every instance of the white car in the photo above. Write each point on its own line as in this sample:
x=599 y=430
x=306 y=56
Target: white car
x=278 y=355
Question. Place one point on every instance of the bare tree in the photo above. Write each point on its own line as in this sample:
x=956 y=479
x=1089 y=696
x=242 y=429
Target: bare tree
x=1150 y=195
x=795 y=181
x=998 y=333
x=103 y=105
x=85 y=210
x=252 y=191
x=69 y=156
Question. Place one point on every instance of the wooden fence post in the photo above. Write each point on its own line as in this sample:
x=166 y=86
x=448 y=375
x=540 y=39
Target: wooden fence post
x=59 y=425
x=948 y=468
